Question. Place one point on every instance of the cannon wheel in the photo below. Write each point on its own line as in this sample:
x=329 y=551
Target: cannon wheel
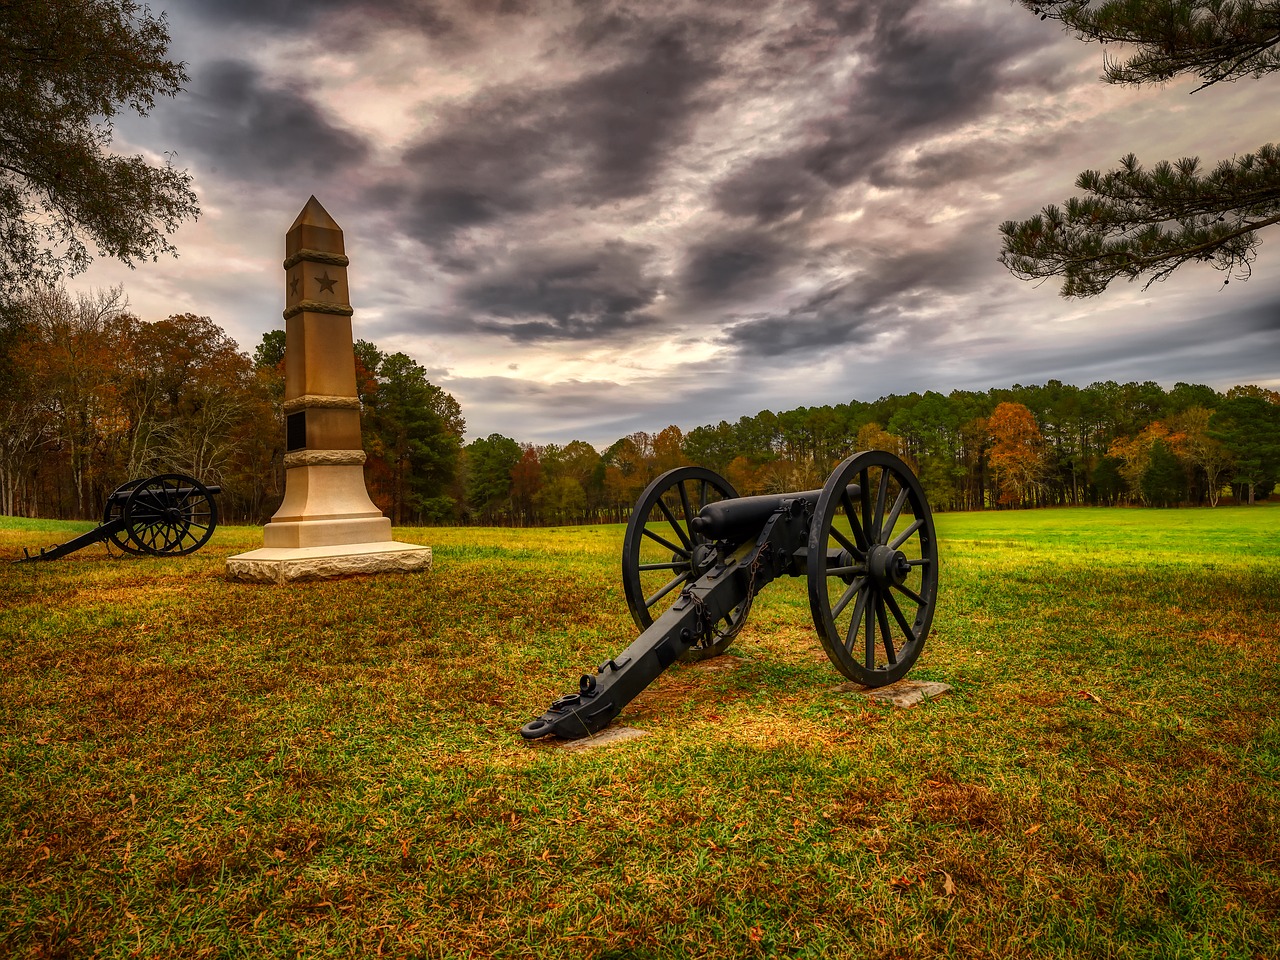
x=873 y=599
x=113 y=511
x=661 y=553
x=171 y=515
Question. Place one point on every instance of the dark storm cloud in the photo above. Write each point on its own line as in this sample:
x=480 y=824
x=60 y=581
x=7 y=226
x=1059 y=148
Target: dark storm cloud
x=599 y=138
x=292 y=15
x=948 y=167
x=253 y=130
x=1228 y=347
x=917 y=77
x=345 y=23
x=732 y=266
x=884 y=296
x=583 y=294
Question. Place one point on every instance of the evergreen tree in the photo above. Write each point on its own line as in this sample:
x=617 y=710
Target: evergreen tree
x=1136 y=222
x=489 y=463
x=1107 y=481
x=269 y=353
x=416 y=435
x=1162 y=480
x=1248 y=426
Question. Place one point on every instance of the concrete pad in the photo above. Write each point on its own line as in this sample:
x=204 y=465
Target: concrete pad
x=288 y=565
x=606 y=737
x=904 y=693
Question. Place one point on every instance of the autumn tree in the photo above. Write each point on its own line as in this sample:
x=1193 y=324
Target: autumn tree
x=1204 y=451
x=1016 y=456
x=526 y=482
x=73 y=373
x=1135 y=221
x=24 y=423
x=668 y=450
x=257 y=459
x=67 y=69
x=872 y=436
x=195 y=389
x=1135 y=456
x=743 y=476
x=102 y=397
x=628 y=469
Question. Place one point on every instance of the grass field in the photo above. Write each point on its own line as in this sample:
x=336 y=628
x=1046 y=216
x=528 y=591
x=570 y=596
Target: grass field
x=191 y=767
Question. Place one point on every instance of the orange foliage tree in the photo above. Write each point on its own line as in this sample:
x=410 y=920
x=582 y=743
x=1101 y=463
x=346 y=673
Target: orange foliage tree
x=1016 y=458
x=1134 y=454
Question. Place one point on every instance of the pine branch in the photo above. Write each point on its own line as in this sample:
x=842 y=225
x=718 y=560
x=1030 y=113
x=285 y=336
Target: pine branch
x=1135 y=223
x=1216 y=40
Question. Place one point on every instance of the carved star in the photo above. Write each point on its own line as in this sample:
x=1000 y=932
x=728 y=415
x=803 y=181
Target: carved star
x=293 y=284
x=326 y=283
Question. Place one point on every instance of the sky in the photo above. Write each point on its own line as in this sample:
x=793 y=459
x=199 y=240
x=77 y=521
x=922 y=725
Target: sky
x=586 y=218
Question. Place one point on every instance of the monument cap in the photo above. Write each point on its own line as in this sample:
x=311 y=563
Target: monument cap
x=314 y=230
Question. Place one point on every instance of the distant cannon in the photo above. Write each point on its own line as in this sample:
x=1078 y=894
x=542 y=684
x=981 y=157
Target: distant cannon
x=168 y=515
x=696 y=554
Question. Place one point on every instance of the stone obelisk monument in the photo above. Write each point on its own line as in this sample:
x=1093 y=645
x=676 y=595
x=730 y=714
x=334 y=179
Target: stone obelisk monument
x=327 y=526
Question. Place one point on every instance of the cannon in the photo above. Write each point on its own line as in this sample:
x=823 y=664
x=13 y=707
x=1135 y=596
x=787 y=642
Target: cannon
x=695 y=555
x=167 y=515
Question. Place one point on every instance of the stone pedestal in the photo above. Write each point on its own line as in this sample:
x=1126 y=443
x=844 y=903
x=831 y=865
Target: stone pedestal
x=326 y=526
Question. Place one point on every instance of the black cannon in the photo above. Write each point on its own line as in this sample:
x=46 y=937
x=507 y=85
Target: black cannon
x=167 y=515
x=695 y=555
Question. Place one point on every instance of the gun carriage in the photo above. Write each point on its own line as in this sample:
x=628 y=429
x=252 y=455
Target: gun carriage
x=696 y=554
x=167 y=515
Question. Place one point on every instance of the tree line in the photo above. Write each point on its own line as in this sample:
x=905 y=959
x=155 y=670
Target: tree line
x=91 y=396
x=1024 y=446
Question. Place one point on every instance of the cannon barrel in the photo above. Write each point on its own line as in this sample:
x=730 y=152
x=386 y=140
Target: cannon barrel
x=121 y=494
x=743 y=517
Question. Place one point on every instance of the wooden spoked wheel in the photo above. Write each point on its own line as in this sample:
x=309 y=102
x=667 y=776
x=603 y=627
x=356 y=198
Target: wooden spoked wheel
x=873 y=598
x=170 y=515
x=113 y=511
x=661 y=553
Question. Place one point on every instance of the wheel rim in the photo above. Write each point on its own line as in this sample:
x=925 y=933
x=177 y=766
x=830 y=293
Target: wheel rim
x=113 y=511
x=873 y=600
x=661 y=553
x=171 y=515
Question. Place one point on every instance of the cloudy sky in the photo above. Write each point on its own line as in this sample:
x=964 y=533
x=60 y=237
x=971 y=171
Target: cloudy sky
x=589 y=217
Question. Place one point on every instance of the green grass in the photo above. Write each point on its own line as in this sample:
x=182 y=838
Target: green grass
x=191 y=767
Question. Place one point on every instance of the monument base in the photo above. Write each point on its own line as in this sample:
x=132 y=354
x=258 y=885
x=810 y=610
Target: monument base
x=289 y=564
x=344 y=530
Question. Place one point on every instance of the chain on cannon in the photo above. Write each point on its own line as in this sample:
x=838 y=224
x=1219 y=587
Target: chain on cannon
x=168 y=515
x=696 y=554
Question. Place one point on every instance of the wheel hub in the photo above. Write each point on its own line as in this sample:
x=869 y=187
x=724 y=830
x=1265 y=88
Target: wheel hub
x=888 y=566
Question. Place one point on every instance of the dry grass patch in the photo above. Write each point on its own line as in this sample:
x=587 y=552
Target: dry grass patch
x=190 y=767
